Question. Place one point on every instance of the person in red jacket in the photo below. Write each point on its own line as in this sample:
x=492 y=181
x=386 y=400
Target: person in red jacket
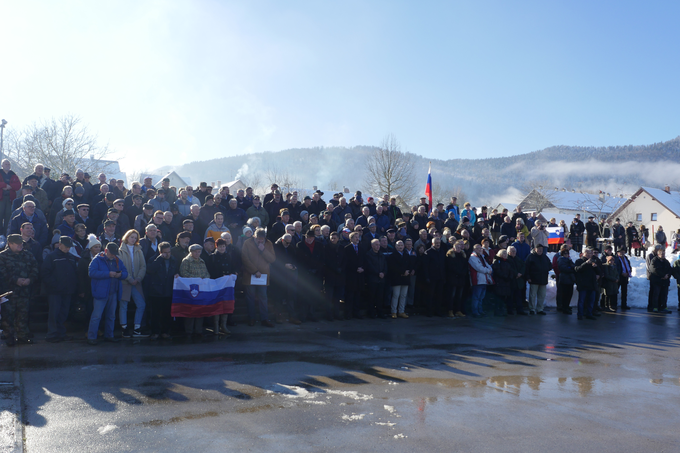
x=9 y=185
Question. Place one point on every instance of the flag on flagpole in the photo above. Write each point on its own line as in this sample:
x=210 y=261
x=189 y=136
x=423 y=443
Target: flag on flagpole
x=428 y=187
x=200 y=297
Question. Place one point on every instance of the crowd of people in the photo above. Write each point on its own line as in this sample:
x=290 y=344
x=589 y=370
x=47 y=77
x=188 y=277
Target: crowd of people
x=116 y=252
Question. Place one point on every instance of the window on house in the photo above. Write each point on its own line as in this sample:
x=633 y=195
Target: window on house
x=653 y=216
x=638 y=217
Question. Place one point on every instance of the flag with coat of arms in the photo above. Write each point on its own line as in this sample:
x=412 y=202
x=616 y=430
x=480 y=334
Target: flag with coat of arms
x=199 y=297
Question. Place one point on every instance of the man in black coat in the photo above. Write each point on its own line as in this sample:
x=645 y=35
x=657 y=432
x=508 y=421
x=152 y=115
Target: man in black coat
x=161 y=272
x=353 y=261
x=576 y=233
x=273 y=207
x=625 y=270
x=619 y=234
x=660 y=272
x=587 y=274
x=334 y=273
x=592 y=232
x=284 y=283
x=435 y=275
x=376 y=273
x=537 y=268
x=309 y=255
x=400 y=267
x=60 y=275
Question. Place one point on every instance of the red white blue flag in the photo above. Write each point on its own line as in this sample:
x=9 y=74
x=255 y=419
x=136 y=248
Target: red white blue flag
x=555 y=235
x=428 y=187
x=199 y=297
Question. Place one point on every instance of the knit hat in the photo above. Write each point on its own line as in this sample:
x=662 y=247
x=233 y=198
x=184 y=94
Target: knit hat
x=247 y=229
x=92 y=241
x=66 y=200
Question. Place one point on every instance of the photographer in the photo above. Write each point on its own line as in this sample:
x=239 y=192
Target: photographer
x=539 y=235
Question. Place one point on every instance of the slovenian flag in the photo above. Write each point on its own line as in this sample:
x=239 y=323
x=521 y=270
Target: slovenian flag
x=428 y=187
x=199 y=297
x=555 y=235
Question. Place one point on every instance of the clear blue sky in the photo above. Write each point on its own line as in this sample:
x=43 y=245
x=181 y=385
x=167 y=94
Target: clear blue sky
x=169 y=82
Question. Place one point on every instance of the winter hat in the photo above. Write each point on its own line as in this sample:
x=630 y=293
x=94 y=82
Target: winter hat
x=92 y=241
x=246 y=230
x=80 y=190
x=55 y=237
x=302 y=213
x=66 y=200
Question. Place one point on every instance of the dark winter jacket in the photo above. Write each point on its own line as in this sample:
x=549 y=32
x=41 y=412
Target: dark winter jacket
x=518 y=267
x=610 y=279
x=586 y=275
x=457 y=269
x=502 y=276
x=334 y=266
x=221 y=264
x=59 y=272
x=375 y=264
x=397 y=265
x=508 y=229
x=39 y=226
x=435 y=264
x=159 y=277
x=310 y=262
x=659 y=268
x=567 y=271
x=352 y=261
x=537 y=268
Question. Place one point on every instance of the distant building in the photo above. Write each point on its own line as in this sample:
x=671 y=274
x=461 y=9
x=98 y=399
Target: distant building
x=570 y=203
x=175 y=180
x=652 y=208
x=110 y=168
x=509 y=206
x=234 y=186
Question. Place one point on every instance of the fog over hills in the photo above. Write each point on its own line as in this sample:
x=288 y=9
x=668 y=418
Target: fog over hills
x=615 y=169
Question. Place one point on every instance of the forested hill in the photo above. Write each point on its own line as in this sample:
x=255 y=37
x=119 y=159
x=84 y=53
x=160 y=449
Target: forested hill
x=613 y=168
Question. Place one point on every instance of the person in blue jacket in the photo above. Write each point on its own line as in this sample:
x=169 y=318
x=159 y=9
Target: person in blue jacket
x=107 y=273
x=454 y=207
x=522 y=246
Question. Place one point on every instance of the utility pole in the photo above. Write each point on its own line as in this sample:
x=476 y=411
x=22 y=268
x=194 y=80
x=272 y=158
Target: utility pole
x=2 y=136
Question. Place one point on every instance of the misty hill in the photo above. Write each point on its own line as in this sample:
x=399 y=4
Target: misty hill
x=616 y=169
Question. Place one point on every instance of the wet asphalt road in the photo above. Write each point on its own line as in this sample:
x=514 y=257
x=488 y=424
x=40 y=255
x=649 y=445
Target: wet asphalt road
x=422 y=384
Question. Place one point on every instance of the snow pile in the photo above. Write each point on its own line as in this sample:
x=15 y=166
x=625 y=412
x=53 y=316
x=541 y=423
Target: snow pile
x=638 y=286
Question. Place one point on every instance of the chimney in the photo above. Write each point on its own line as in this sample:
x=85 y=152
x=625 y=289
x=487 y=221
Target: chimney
x=219 y=183
x=345 y=190
x=316 y=187
x=667 y=189
x=212 y=184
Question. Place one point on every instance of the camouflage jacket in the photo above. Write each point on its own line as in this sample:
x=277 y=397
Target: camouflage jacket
x=14 y=266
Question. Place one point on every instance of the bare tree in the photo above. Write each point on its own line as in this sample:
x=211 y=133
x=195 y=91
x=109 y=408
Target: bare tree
x=600 y=206
x=443 y=194
x=390 y=171
x=64 y=144
x=285 y=180
x=138 y=176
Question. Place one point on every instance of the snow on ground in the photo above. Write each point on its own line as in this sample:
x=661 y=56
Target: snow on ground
x=638 y=286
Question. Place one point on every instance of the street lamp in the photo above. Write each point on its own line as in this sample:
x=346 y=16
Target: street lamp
x=2 y=133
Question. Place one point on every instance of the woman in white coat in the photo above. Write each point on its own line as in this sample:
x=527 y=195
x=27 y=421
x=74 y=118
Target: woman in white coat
x=480 y=276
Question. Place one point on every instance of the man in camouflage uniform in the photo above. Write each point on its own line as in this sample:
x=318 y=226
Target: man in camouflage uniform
x=18 y=273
